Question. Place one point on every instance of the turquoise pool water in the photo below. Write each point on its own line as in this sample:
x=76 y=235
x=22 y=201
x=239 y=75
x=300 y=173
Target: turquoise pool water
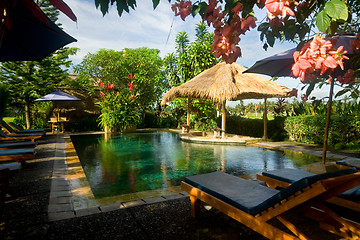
x=136 y=162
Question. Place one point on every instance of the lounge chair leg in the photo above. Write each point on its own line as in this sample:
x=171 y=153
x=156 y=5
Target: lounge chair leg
x=195 y=206
x=292 y=228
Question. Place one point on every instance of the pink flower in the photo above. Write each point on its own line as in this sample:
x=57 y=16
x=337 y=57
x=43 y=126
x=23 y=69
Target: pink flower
x=279 y=7
x=132 y=96
x=102 y=95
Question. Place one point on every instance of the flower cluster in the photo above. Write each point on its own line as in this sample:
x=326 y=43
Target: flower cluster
x=279 y=7
x=182 y=8
x=317 y=54
x=131 y=85
x=108 y=87
x=226 y=35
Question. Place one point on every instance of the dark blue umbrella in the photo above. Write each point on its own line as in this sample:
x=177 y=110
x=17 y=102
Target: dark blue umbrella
x=57 y=96
x=28 y=37
x=279 y=65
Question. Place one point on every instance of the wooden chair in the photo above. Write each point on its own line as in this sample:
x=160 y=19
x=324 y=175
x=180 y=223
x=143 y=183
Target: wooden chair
x=254 y=205
x=349 y=162
x=18 y=137
x=20 y=128
x=17 y=145
x=18 y=155
x=283 y=178
x=10 y=130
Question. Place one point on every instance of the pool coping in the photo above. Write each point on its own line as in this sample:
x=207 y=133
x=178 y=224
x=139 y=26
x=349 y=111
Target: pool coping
x=61 y=203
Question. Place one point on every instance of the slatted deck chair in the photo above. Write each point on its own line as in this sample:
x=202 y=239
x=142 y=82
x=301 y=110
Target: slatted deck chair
x=19 y=137
x=18 y=155
x=9 y=130
x=283 y=178
x=254 y=205
x=349 y=162
x=17 y=145
x=17 y=127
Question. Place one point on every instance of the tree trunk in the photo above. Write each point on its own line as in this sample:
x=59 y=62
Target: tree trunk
x=27 y=115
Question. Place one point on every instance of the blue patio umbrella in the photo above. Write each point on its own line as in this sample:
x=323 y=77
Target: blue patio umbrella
x=26 y=36
x=57 y=96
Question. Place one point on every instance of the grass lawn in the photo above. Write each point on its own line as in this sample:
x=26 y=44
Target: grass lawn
x=8 y=119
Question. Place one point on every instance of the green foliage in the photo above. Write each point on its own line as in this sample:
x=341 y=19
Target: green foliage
x=119 y=111
x=344 y=129
x=109 y=66
x=4 y=96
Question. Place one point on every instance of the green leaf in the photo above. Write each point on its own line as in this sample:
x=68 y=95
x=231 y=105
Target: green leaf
x=323 y=21
x=336 y=9
x=195 y=10
x=341 y=92
x=270 y=38
x=155 y=3
x=310 y=88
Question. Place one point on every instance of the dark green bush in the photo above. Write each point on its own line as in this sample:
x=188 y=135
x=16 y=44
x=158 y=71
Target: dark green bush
x=162 y=121
x=255 y=127
x=4 y=96
x=82 y=125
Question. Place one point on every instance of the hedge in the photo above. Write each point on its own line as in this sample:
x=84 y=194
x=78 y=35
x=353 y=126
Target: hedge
x=344 y=129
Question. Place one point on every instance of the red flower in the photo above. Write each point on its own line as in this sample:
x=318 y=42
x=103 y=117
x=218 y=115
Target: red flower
x=132 y=96
x=101 y=95
x=101 y=84
x=183 y=9
x=131 y=76
x=131 y=85
x=109 y=86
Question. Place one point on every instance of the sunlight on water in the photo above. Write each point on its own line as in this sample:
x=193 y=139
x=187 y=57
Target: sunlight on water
x=137 y=162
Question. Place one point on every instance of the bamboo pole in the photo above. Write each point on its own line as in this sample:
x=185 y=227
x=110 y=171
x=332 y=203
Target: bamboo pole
x=188 y=113
x=265 y=120
x=223 y=120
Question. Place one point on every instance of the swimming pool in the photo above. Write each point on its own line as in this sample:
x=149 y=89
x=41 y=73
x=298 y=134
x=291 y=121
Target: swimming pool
x=135 y=162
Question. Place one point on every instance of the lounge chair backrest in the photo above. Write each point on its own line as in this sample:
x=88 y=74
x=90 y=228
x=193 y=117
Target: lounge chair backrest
x=307 y=181
x=18 y=127
x=7 y=127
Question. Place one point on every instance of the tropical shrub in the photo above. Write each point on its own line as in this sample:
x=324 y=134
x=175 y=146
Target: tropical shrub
x=4 y=96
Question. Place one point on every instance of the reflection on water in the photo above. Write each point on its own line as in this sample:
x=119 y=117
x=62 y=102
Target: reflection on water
x=137 y=162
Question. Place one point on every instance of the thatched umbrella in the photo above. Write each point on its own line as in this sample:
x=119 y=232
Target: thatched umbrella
x=226 y=82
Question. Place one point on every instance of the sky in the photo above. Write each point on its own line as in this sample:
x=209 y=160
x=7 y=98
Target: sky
x=157 y=28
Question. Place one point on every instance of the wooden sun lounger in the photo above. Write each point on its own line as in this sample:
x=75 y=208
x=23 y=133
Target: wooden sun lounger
x=349 y=162
x=254 y=205
x=19 y=137
x=20 y=129
x=283 y=178
x=9 y=130
x=17 y=145
x=18 y=155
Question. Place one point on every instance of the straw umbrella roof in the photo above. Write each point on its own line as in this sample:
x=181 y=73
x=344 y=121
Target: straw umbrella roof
x=226 y=82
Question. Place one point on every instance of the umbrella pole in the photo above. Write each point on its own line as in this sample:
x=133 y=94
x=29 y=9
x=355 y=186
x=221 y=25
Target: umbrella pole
x=223 y=120
x=328 y=120
x=265 y=120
